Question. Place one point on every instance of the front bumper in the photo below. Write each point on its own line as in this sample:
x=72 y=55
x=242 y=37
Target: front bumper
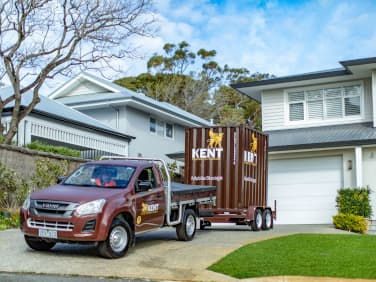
x=76 y=228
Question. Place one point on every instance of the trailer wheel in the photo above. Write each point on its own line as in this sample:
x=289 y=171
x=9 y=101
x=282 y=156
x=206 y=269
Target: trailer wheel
x=186 y=230
x=267 y=220
x=257 y=222
x=118 y=240
x=38 y=244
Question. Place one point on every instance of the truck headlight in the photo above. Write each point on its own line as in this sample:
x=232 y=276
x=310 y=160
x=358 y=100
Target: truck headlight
x=26 y=203
x=91 y=207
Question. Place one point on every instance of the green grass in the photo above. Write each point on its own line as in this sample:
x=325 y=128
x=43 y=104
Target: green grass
x=345 y=256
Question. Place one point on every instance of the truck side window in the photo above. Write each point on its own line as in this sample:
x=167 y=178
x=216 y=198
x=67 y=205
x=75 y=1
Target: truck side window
x=146 y=175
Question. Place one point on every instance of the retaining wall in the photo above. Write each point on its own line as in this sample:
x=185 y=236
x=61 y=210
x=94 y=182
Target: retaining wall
x=23 y=161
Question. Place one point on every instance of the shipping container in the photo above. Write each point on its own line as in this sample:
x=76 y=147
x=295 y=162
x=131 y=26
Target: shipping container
x=235 y=160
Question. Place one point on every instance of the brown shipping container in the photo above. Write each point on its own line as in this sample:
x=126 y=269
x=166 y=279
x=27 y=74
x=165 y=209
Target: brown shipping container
x=235 y=160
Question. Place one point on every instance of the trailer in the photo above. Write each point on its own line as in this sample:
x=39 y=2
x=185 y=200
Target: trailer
x=234 y=159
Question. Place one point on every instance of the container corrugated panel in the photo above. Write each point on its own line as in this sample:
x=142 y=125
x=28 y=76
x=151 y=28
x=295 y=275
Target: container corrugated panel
x=232 y=158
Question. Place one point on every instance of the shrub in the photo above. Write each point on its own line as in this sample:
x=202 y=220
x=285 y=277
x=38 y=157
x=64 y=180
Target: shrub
x=10 y=222
x=350 y=222
x=47 y=172
x=13 y=189
x=39 y=146
x=354 y=201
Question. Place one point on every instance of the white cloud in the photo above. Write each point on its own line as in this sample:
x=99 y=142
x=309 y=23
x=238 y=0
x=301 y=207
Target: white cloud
x=276 y=37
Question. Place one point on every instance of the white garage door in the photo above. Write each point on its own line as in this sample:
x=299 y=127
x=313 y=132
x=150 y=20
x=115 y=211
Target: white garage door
x=305 y=189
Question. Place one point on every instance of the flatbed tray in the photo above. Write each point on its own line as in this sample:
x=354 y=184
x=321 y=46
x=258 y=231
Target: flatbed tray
x=180 y=188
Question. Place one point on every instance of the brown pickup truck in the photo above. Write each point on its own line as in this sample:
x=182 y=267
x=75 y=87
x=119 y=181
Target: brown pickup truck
x=108 y=202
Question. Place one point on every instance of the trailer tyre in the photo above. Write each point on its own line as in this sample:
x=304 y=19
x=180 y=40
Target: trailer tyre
x=257 y=222
x=267 y=220
x=185 y=231
x=118 y=240
x=37 y=244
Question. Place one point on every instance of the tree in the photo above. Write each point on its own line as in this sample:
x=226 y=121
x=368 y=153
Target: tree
x=203 y=91
x=43 y=38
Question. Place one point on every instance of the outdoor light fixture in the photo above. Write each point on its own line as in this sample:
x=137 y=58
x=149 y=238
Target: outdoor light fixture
x=349 y=164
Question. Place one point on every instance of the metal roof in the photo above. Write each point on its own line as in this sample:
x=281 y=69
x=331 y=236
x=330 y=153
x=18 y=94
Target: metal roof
x=322 y=137
x=59 y=111
x=121 y=94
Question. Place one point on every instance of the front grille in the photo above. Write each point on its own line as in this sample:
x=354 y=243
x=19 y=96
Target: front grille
x=89 y=226
x=57 y=209
x=63 y=226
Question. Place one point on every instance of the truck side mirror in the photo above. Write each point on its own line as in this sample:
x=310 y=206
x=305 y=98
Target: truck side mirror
x=143 y=186
x=60 y=179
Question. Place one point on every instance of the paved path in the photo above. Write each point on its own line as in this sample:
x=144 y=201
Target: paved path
x=157 y=255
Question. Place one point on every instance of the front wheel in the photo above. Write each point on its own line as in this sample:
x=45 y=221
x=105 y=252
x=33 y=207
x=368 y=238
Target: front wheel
x=186 y=230
x=37 y=244
x=118 y=240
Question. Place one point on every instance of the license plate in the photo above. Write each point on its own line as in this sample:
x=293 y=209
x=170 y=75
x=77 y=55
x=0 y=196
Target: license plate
x=47 y=233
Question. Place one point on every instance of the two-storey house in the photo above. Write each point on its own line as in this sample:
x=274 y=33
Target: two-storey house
x=158 y=127
x=322 y=137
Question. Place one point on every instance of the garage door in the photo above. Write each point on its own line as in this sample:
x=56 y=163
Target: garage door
x=305 y=189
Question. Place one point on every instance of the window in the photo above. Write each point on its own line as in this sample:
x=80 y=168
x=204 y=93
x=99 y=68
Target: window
x=325 y=103
x=169 y=130
x=153 y=125
x=161 y=128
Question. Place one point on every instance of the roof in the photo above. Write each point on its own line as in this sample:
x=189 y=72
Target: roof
x=58 y=111
x=351 y=68
x=112 y=93
x=322 y=137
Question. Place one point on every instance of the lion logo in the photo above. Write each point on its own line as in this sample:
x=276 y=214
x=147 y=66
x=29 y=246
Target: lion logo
x=144 y=209
x=215 y=139
x=253 y=145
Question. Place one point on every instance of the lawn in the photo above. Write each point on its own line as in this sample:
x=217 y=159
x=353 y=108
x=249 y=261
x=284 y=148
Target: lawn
x=345 y=256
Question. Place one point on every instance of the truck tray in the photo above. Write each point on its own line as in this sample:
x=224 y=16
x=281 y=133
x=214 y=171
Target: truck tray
x=192 y=193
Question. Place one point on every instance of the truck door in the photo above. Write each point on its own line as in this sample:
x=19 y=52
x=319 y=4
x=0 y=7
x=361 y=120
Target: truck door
x=150 y=201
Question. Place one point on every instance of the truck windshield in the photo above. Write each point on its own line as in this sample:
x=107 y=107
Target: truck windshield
x=108 y=176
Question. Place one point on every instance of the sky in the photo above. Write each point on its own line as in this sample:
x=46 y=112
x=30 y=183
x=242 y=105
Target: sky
x=278 y=37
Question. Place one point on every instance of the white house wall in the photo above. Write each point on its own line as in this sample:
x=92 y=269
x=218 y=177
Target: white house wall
x=369 y=175
x=86 y=87
x=136 y=123
x=150 y=144
x=272 y=110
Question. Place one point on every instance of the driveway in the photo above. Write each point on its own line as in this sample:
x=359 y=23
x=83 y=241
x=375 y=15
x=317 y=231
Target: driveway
x=157 y=255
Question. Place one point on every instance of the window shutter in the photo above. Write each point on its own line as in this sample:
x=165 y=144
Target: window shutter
x=352 y=106
x=333 y=97
x=296 y=106
x=296 y=111
x=315 y=106
x=352 y=100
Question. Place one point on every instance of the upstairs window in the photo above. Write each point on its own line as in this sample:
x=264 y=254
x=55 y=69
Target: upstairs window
x=161 y=128
x=324 y=104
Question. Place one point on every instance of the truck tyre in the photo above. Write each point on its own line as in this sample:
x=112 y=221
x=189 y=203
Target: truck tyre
x=267 y=220
x=37 y=244
x=186 y=230
x=257 y=221
x=118 y=240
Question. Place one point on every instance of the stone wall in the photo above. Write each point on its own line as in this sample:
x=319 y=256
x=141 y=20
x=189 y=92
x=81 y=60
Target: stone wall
x=23 y=161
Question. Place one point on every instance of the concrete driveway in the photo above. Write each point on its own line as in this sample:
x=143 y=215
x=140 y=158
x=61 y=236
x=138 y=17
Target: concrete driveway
x=157 y=255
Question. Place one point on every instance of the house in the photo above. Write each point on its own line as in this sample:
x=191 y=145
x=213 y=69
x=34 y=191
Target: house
x=54 y=123
x=322 y=137
x=159 y=127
